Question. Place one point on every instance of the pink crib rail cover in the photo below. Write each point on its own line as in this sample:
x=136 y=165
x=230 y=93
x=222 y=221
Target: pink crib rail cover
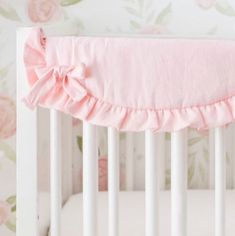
x=133 y=84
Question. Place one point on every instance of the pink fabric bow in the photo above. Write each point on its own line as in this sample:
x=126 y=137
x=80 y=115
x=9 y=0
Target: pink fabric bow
x=57 y=77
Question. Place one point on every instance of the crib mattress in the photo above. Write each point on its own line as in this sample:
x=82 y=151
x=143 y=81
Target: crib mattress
x=200 y=214
x=133 y=84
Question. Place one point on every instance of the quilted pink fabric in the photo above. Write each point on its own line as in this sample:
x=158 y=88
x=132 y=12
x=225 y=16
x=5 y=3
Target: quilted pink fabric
x=133 y=84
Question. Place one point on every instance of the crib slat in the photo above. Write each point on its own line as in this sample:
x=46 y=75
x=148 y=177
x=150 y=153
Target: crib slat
x=151 y=185
x=220 y=182
x=178 y=183
x=129 y=161
x=113 y=181
x=55 y=171
x=160 y=152
x=90 y=180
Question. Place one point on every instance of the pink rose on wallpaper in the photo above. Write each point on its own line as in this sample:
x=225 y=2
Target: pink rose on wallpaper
x=206 y=4
x=103 y=173
x=5 y=212
x=76 y=122
x=41 y=11
x=7 y=117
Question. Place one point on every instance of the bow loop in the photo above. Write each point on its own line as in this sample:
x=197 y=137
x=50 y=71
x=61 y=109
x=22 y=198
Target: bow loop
x=54 y=77
x=72 y=82
x=77 y=72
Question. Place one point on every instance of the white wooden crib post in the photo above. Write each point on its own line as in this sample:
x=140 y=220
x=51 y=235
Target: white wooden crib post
x=113 y=181
x=178 y=183
x=90 y=180
x=55 y=172
x=220 y=182
x=27 y=151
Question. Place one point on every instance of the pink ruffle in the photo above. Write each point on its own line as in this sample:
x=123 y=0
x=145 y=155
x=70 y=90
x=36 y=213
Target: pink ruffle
x=63 y=88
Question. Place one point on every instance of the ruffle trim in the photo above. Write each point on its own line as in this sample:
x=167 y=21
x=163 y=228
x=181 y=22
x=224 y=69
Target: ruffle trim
x=62 y=88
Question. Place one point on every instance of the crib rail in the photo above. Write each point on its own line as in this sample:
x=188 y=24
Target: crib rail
x=154 y=168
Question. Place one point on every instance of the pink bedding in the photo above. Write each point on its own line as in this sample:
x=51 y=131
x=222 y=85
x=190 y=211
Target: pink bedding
x=133 y=83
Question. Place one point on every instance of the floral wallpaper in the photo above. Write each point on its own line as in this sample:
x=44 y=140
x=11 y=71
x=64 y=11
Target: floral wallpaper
x=171 y=17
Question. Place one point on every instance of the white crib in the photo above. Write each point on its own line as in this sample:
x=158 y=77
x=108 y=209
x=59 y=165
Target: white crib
x=27 y=188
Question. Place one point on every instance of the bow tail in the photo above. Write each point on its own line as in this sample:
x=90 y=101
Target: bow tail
x=40 y=89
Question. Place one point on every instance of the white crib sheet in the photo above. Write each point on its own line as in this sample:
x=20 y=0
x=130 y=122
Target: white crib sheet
x=200 y=214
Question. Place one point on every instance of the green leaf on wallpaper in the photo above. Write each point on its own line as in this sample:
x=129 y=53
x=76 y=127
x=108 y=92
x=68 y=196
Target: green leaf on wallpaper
x=13 y=209
x=9 y=14
x=164 y=15
x=212 y=31
x=168 y=136
x=201 y=170
x=11 y=200
x=66 y=3
x=193 y=141
x=191 y=171
x=168 y=178
x=8 y=151
x=133 y=12
x=225 y=8
x=4 y=71
x=135 y=24
x=227 y=158
x=79 y=142
x=11 y=225
x=206 y=154
x=122 y=135
x=192 y=155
